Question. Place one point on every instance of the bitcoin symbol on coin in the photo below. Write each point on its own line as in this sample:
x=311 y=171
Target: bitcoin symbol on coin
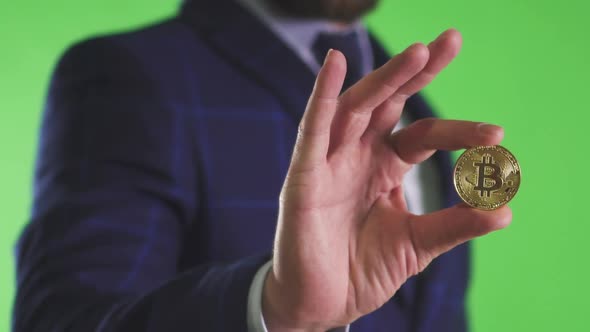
x=486 y=177
x=487 y=163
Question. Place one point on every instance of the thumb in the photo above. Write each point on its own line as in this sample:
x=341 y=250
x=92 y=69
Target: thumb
x=438 y=232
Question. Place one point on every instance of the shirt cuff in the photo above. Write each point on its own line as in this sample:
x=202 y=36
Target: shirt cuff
x=255 y=317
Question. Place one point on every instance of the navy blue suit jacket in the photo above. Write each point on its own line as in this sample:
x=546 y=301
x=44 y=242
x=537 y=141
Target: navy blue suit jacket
x=161 y=157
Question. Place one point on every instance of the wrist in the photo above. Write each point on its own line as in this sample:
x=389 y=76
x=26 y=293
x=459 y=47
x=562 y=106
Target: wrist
x=280 y=313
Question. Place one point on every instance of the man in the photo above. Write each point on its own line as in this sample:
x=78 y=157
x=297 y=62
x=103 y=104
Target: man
x=161 y=161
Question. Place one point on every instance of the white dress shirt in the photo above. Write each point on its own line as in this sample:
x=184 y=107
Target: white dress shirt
x=421 y=183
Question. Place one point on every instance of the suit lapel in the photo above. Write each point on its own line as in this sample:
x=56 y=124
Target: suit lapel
x=242 y=39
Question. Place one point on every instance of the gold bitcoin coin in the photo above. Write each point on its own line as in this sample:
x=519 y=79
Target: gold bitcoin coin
x=486 y=177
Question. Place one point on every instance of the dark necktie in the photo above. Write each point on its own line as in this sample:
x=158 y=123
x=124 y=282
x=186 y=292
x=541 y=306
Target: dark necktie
x=348 y=44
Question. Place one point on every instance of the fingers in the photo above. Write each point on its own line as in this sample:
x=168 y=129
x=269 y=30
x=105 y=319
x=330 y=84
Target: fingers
x=421 y=139
x=358 y=102
x=442 y=51
x=436 y=233
x=314 y=130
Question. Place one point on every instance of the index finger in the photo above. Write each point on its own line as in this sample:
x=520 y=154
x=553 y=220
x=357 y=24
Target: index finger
x=357 y=104
x=379 y=85
x=421 y=139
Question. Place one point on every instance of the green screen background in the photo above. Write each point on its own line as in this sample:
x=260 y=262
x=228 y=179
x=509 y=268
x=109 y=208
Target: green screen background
x=524 y=65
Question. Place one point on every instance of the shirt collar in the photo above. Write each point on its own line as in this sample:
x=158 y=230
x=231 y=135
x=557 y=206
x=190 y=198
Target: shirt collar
x=299 y=34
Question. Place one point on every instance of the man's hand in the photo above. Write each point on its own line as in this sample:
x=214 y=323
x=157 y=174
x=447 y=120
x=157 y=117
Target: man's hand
x=345 y=242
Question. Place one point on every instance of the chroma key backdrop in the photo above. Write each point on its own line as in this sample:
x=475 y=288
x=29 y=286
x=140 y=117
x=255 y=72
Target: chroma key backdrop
x=524 y=65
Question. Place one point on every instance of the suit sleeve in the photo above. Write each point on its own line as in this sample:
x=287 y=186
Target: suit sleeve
x=116 y=188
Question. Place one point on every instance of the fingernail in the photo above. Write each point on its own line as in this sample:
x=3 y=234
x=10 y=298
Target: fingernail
x=327 y=55
x=489 y=129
